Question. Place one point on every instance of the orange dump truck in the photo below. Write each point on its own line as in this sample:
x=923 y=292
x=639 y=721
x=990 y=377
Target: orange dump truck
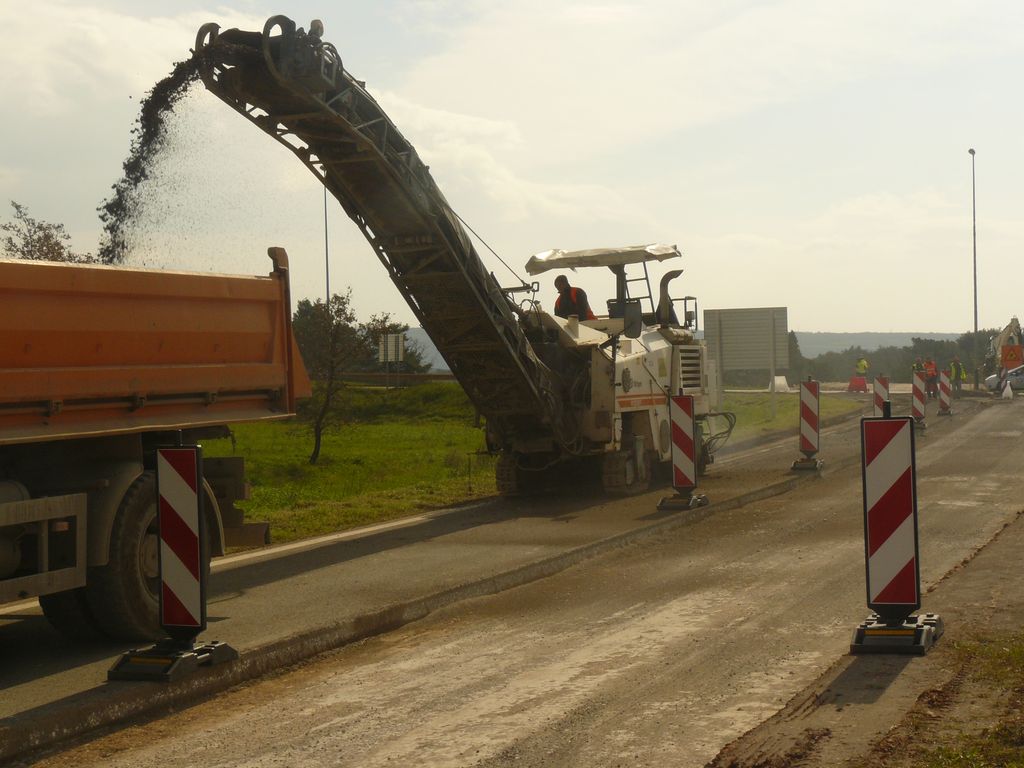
x=99 y=366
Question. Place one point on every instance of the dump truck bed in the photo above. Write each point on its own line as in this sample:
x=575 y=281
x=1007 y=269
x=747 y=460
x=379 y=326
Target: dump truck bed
x=91 y=350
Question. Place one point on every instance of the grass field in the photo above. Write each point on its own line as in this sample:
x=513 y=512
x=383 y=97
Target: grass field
x=754 y=411
x=383 y=464
x=402 y=451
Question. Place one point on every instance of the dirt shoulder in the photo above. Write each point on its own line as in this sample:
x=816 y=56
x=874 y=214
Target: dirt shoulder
x=944 y=708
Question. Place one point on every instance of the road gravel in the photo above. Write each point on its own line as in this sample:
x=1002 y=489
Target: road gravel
x=657 y=654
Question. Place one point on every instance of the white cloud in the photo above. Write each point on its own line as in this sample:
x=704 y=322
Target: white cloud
x=583 y=124
x=469 y=151
x=879 y=261
x=9 y=177
x=590 y=77
x=63 y=56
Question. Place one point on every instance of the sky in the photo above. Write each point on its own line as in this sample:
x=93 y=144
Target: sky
x=802 y=154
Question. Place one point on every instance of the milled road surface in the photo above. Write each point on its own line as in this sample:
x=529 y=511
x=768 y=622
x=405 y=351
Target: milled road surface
x=274 y=596
x=658 y=654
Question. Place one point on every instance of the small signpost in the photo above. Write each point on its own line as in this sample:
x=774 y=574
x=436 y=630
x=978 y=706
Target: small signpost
x=390 y=349
x=890 y=543
x=751 y=338
x=182 y=576
x=685 y=444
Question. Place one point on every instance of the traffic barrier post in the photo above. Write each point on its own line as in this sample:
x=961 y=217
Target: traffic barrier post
x=182 y=597
x=891 y=543
x=685 y=447
x=945 y=395
x=809 y=426
x=881 y=390
x=918 y=405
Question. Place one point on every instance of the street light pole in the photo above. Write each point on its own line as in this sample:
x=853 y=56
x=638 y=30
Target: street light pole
x=327 y=262
x=974 y=239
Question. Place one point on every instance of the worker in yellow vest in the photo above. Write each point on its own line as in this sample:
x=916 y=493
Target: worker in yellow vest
x=862 y=366
x=957 y=375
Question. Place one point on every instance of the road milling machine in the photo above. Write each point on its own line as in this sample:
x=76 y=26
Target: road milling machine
x=556 y=393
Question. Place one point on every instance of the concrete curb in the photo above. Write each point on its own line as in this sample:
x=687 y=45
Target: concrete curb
x=119 y=703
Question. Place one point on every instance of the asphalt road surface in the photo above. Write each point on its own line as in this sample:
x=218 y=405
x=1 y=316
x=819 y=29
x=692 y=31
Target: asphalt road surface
x=656 y=654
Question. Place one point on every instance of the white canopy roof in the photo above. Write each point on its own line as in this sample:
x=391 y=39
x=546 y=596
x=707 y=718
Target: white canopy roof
x=599 y=257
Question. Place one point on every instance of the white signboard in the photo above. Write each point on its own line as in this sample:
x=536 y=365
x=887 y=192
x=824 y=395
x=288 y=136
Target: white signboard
x=391 y=348
x=742 y=339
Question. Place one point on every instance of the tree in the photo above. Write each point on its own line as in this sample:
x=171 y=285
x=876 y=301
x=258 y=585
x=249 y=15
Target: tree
x=797 y=362
x=35 y=240
x=329 y=341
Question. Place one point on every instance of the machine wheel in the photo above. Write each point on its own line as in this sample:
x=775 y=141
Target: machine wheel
x=619 y=473
x=70 y=614
x=515 y=477
x=124 y=593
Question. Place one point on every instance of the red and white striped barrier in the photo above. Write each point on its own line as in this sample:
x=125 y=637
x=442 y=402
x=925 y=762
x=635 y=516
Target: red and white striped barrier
x=179 y=481
x=890 y=543
x=890 y=517
x=881 y=390
x=685 y=448
x=684 y=453
x=809 y=423
x=810 y=426
x=917 y=407
x=182 y=588
x=945 y=395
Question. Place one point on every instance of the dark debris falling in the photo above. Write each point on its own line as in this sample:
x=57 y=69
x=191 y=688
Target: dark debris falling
x=119 y=212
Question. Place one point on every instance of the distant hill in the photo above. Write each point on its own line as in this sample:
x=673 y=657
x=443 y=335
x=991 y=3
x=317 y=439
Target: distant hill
x=814 y=343
x=430 y=353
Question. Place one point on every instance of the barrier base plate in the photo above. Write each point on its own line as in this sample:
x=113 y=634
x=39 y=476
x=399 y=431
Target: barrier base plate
x=170 y=660
x=919 y=425
x=683 y=501
x=946 y=413
x=808 y=465
x=915 y=635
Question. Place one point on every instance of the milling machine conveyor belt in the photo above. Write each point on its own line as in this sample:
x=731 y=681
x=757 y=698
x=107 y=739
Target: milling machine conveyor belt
x=294 y=87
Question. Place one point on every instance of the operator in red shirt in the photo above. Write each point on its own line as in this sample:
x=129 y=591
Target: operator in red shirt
x=931 y=377
x=571 y=301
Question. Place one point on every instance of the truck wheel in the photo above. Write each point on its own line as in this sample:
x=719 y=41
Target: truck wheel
x=506 y=475
x=619 y=473
x=70 y=614
x=124 y=593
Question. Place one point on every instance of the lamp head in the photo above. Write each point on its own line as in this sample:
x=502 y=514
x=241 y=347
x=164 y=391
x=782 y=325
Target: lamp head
x=971 y=151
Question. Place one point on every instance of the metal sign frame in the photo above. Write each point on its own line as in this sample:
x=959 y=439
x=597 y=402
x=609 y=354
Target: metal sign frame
x=391 y=348
x=742 y=339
